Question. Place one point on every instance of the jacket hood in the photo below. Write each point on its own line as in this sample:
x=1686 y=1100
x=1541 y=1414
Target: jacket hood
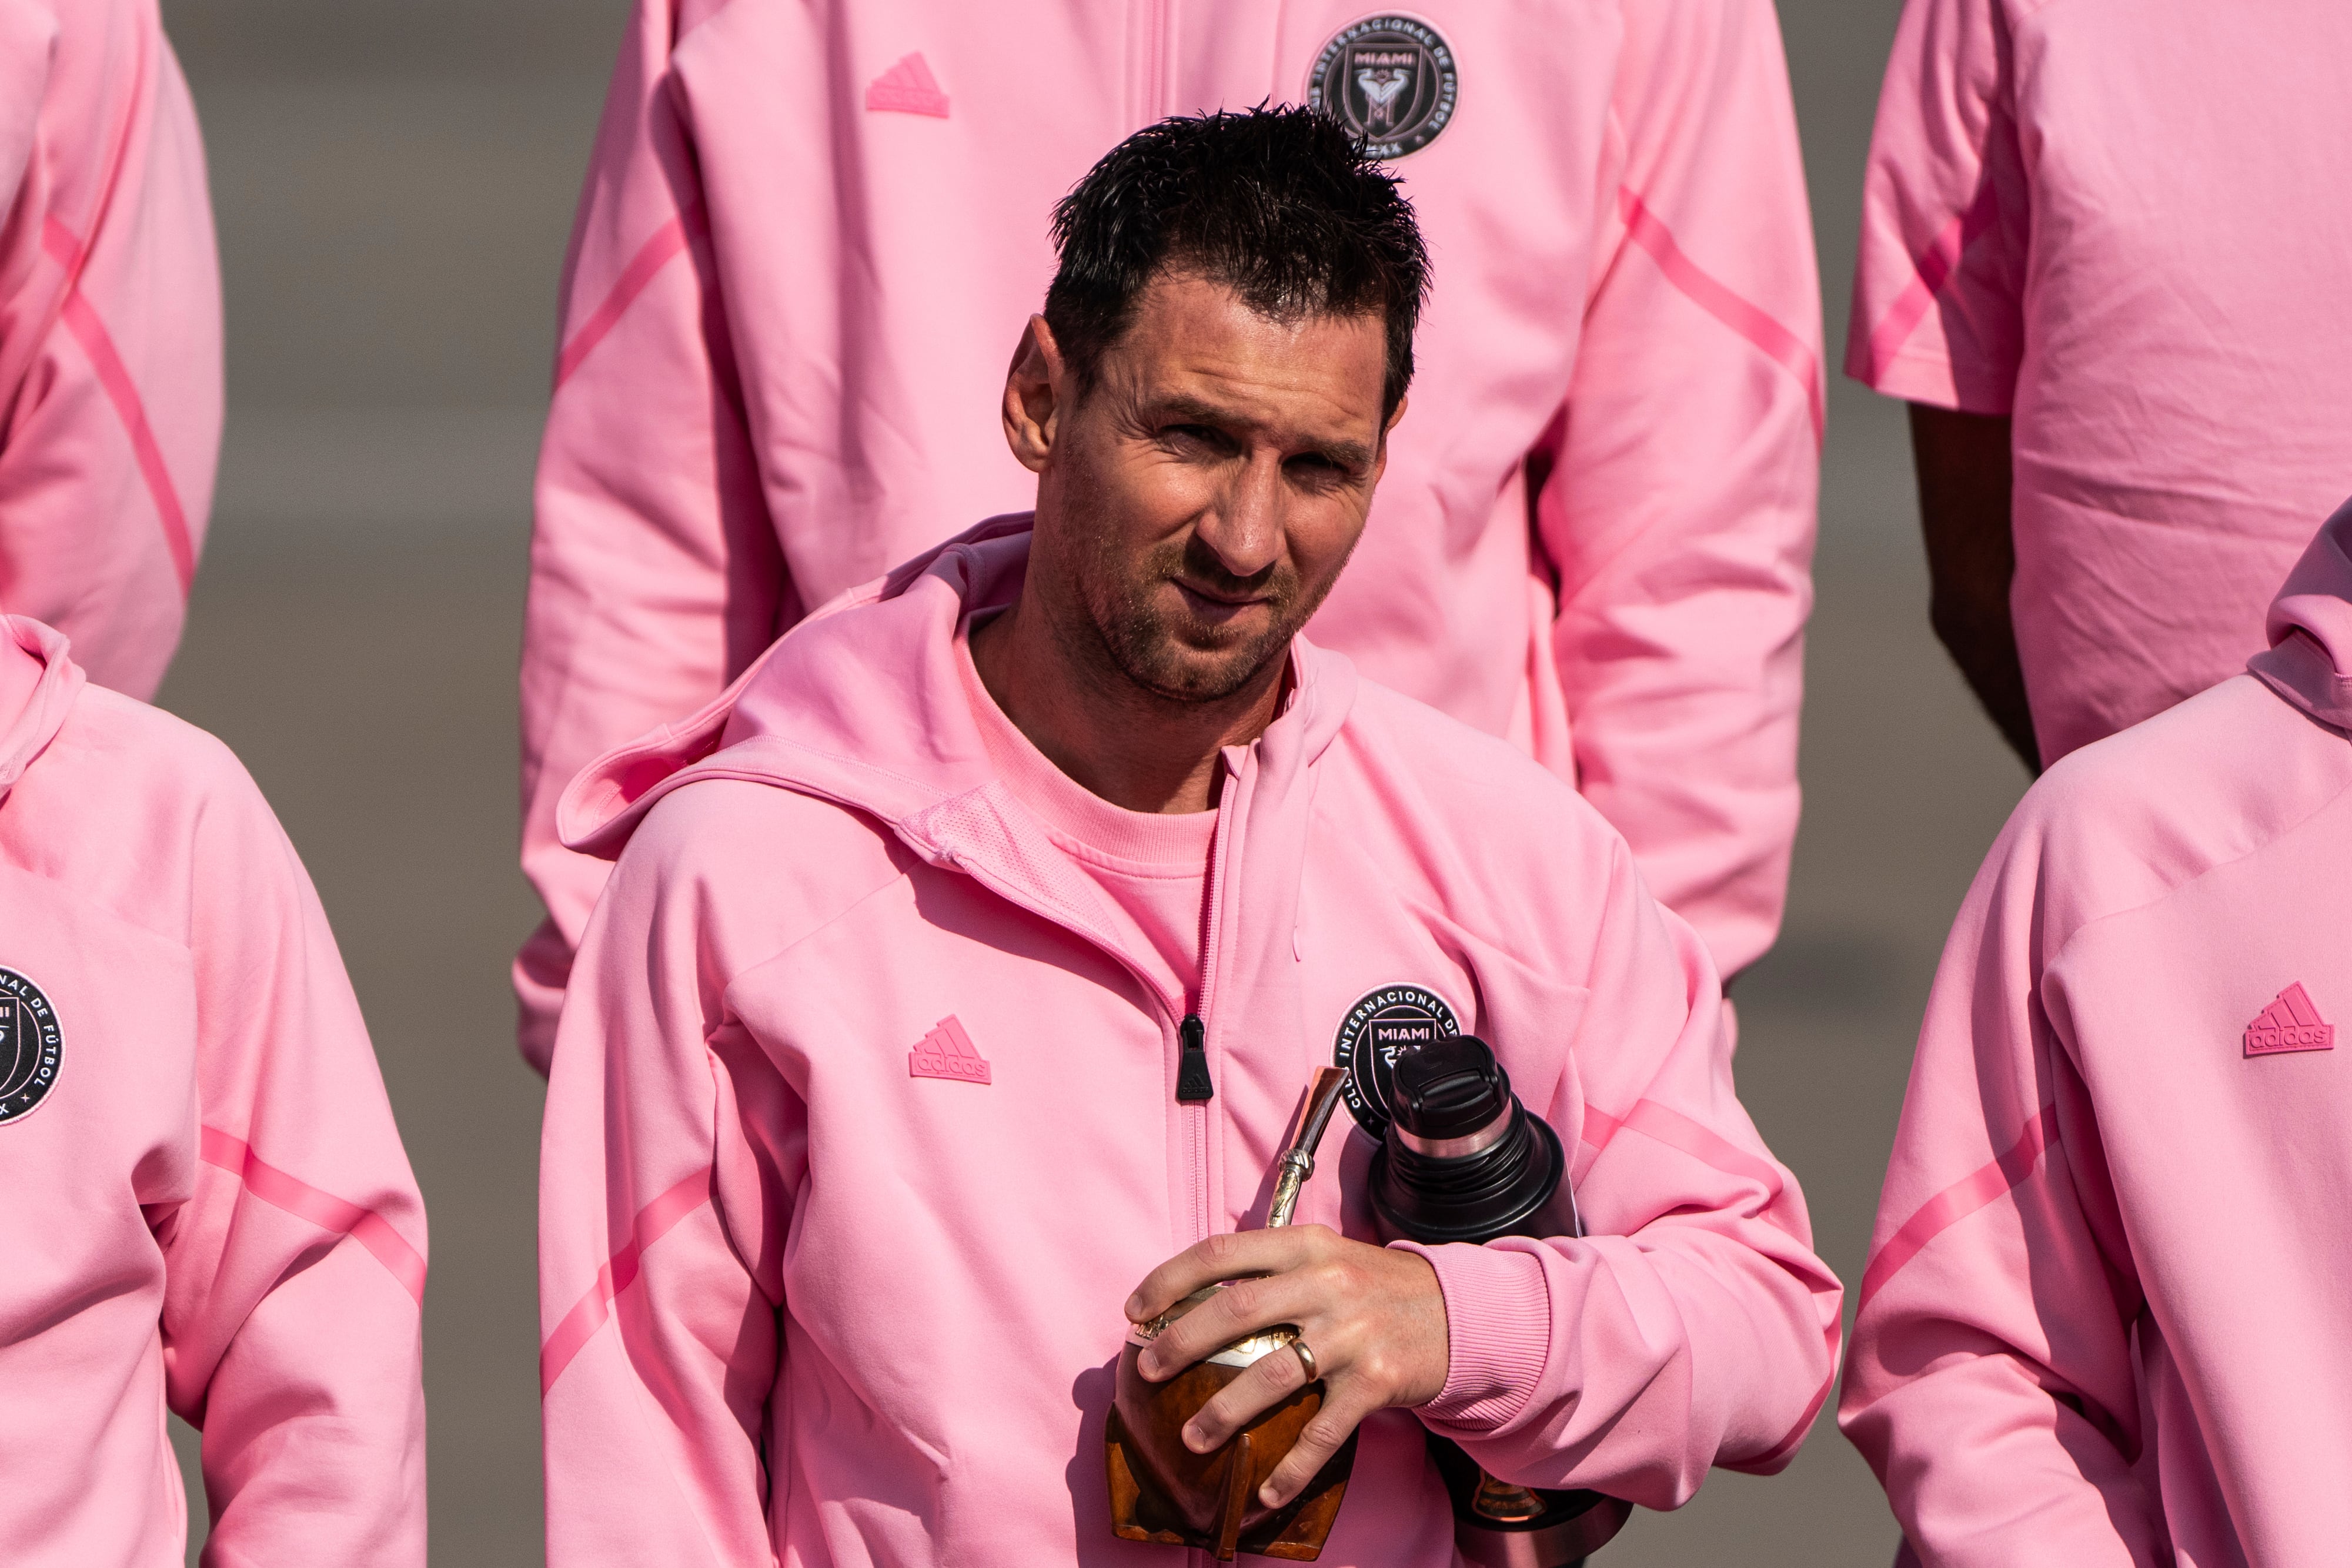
x=39 y=683
x=2309 y=661
x=862 y=702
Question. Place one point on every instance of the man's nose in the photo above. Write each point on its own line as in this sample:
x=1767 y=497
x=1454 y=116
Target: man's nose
x=1243 y=530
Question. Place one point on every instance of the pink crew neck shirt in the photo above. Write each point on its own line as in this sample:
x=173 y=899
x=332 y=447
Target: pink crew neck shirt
x=1151 y=867
x=2123 y=222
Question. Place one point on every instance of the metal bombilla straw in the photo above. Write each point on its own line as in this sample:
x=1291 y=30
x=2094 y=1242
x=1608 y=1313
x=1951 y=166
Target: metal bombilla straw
x=1306 y=1129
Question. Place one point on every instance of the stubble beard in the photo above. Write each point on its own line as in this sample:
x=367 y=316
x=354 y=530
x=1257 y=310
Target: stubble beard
x=1162 y=653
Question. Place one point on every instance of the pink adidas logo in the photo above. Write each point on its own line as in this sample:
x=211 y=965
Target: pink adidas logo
x=907 y=87
x=2290 y=1023
x=948 y=1052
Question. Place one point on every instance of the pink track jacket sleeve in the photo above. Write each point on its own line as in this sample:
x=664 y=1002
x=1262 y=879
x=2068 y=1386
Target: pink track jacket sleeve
x=295 y=1277
x=1990 y=1385
x=111 y=390
x=656 y=574
x=1939 y=284
x=1692 y=1326
x=1678 y=508
x=709 y=1176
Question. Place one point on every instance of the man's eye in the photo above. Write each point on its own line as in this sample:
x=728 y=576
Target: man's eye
x=1193 y=435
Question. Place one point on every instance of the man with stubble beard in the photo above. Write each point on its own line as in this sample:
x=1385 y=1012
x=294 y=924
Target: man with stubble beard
x=963 y=965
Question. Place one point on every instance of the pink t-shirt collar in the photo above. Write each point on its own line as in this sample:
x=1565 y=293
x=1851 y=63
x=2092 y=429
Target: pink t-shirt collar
x=1074 y=815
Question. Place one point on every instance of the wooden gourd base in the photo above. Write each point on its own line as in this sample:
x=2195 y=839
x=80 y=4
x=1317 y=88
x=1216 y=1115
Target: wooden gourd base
x=1161 y=1490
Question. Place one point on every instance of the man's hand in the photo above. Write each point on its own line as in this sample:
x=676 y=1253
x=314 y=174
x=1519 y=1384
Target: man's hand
x=1374 y=1318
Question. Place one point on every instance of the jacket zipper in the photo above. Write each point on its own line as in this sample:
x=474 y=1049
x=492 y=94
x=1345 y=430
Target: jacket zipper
x=1192 y=1084
x=1192 y=1028
x=1194 y=1040
x=1195 y=1085
x=1196 y=1113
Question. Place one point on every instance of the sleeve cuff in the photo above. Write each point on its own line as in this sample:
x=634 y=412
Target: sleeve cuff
x=1498 y=1330
x=1917 y=375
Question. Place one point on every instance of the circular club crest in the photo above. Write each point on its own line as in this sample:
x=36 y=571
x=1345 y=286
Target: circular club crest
x=1383 y=1023
x=1390 y=79
x=28 y=1047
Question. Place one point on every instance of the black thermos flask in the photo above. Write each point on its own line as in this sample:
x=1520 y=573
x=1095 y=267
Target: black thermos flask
x=1464 y=1161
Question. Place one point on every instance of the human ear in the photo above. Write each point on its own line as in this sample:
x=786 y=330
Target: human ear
x=1035 y=386
x=1381 y=458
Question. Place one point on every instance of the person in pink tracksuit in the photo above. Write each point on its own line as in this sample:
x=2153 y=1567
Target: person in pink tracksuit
x=966 y=959
x=207 y=1206
x=806 y=224
x=110 y=334
x=2103 y=1319
x=2103 y=251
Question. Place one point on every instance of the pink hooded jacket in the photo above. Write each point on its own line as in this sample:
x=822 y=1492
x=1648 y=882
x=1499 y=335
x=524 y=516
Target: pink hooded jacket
x=812 y=233
x=2104 y=1320
x=805 y=1300
x=110 y=334
x=206 y=1204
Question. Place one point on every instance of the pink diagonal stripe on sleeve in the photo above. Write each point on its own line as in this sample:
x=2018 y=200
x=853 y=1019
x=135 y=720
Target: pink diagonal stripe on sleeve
x=666 y=242
x=1779 y=344
x=82 y=322
x=333 y=1215
x=2297 y=1002
x=1957 y=1201
x=1795 y=1437
x=1599 y=1126
x=653 y=1222
x=1710 y=1148
x=1930 y=272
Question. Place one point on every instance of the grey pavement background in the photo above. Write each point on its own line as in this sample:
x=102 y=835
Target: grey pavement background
x=394 y=180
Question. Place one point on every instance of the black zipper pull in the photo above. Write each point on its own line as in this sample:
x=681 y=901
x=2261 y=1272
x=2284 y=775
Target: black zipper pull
x=1192 y=1086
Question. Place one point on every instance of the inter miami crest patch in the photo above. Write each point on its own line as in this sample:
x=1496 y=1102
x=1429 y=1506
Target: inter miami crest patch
x=1391 y=80
x=1383 y=1023
x=28 y=1047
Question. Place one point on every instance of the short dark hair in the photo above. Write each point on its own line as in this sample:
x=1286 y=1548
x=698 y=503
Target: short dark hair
x=1282 y=206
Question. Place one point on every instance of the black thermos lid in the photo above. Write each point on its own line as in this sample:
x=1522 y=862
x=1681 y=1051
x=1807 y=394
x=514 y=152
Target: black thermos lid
x=1476 y=1189
x=1449 y=1088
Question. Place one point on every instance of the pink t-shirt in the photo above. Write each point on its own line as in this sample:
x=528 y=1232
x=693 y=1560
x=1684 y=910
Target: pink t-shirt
x=1152 y=868
x=2127 y=224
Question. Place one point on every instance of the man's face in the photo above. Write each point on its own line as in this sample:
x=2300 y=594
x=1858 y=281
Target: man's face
x=1196 y=504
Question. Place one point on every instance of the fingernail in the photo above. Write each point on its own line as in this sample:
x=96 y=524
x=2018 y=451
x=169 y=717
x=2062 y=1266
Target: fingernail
x=1196 y=1439
x=1268 y=1496
x=1148 y=1365
x=1134 y=1309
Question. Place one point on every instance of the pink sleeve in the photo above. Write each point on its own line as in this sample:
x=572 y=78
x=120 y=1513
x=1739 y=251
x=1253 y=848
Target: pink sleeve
x=1677 y=512
x=656 y=575
x=295 y=1277
x=1693 y=1326
x=109 y=344
x=663 y=1205
x=1991 y=1384
x=1938 y=287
